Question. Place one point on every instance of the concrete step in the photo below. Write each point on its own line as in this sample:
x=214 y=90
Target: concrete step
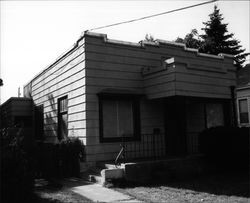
x=105 y=165
x=96 y=179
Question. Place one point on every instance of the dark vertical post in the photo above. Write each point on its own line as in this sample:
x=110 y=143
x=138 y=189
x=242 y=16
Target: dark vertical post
x=234 y=120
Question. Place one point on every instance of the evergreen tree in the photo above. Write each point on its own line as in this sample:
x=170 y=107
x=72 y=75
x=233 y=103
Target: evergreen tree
x=217 y=39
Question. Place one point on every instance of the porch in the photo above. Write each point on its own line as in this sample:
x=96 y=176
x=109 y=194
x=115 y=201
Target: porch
x=184 y=119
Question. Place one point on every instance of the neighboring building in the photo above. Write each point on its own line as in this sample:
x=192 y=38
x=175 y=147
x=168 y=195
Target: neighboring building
x=16 y=113
x=243 y=96
x=150 y=96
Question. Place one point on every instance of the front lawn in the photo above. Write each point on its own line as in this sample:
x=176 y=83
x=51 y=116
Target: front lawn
x=228 y=188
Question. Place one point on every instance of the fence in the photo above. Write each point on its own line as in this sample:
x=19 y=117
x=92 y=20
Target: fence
x=150 y=146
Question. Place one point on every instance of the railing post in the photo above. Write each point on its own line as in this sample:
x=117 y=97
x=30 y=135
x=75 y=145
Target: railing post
x=156 y=132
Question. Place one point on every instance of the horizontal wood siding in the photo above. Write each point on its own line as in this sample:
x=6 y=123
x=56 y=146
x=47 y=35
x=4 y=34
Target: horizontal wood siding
x=65 y=78
x=116 y=67
x=190 y=82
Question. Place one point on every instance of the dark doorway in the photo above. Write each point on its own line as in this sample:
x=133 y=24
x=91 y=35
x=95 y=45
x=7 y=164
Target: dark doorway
x=175 y=124
x=39 y=122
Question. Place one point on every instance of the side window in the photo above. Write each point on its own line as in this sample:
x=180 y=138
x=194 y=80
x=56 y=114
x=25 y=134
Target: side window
x=243 y=111
x=62 y=117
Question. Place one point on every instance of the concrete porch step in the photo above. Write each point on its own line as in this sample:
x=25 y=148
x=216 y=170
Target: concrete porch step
x=107 y=165
x=93 y=175
x=96 y=179
x=102 y=175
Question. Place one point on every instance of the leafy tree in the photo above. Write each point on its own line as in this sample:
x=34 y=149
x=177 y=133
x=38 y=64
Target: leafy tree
x=149 y=38
x=192 y=39
x=216 y=39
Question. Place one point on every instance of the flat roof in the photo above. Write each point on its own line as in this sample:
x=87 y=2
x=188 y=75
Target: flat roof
x=141 y=44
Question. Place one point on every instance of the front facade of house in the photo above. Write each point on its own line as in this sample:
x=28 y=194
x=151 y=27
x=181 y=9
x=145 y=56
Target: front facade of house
x=152 y=97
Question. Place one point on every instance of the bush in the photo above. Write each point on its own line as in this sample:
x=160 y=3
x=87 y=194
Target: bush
x=17 y=178
x=226 y=147
x=57 y=160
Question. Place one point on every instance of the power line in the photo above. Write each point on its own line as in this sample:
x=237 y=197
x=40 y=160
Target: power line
x=151 y=16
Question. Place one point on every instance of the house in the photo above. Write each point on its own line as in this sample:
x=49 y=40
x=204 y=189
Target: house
x=16 y=119
x=243 y=96
x=152 y=98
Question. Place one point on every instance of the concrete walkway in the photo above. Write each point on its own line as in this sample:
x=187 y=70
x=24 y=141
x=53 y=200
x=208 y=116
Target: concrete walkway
x=97 y=193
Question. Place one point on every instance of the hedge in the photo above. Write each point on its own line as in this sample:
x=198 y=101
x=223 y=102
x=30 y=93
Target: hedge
x=226 y=147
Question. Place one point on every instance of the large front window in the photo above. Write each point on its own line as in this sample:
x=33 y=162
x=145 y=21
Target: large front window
x=119 y=118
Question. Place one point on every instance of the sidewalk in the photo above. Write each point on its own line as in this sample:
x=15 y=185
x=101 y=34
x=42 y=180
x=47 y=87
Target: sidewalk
x=96 y=192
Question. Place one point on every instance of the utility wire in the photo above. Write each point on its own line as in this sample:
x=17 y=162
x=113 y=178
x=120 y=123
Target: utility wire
x=151 y=16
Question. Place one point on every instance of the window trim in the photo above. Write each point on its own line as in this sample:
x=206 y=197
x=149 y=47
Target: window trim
x=59 y=115
x=136 y=116
x=238 y=110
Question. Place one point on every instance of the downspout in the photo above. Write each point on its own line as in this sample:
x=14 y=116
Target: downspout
x=234 y=116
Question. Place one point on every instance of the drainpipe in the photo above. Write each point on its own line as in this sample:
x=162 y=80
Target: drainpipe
x=234 y=118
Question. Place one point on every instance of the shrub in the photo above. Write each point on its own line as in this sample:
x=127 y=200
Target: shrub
x=226 y=147
x=17 y=178
x=56 y=160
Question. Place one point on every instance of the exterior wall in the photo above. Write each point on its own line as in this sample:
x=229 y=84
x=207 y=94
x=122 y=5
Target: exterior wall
x=116 y=66
x=142 y=69
x=65 y=77
x=191 y=74
x=243 y=93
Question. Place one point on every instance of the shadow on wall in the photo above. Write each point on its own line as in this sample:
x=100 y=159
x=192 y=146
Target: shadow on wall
x=51 y=118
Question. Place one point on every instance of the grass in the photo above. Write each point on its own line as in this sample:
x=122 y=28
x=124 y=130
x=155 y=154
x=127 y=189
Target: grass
x=228 y=188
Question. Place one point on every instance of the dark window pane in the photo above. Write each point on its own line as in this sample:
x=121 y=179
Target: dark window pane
x=215 y=116
x=244 y=118
x=110 y=118
x=125 y=118
x=64 y=126
x=117 y=118
x=243 y=106
x=63 y=105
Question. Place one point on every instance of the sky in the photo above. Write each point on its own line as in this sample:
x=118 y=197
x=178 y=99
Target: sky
x=35 y=33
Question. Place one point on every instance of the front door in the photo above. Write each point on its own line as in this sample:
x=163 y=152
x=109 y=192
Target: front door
x=175 y=126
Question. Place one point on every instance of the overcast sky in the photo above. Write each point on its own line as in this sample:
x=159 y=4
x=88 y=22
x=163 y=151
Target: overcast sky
x=35 y=33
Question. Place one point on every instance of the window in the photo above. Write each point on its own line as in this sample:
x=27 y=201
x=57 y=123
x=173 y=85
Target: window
x=62 y=118
x=214 y=115
x=243 y=111
x=119 y=118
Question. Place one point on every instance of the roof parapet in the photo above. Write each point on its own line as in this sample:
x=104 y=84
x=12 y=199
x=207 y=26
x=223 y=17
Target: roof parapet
x=156 y=43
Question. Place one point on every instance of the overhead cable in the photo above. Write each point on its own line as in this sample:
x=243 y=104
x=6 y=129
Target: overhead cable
x=151 y=16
